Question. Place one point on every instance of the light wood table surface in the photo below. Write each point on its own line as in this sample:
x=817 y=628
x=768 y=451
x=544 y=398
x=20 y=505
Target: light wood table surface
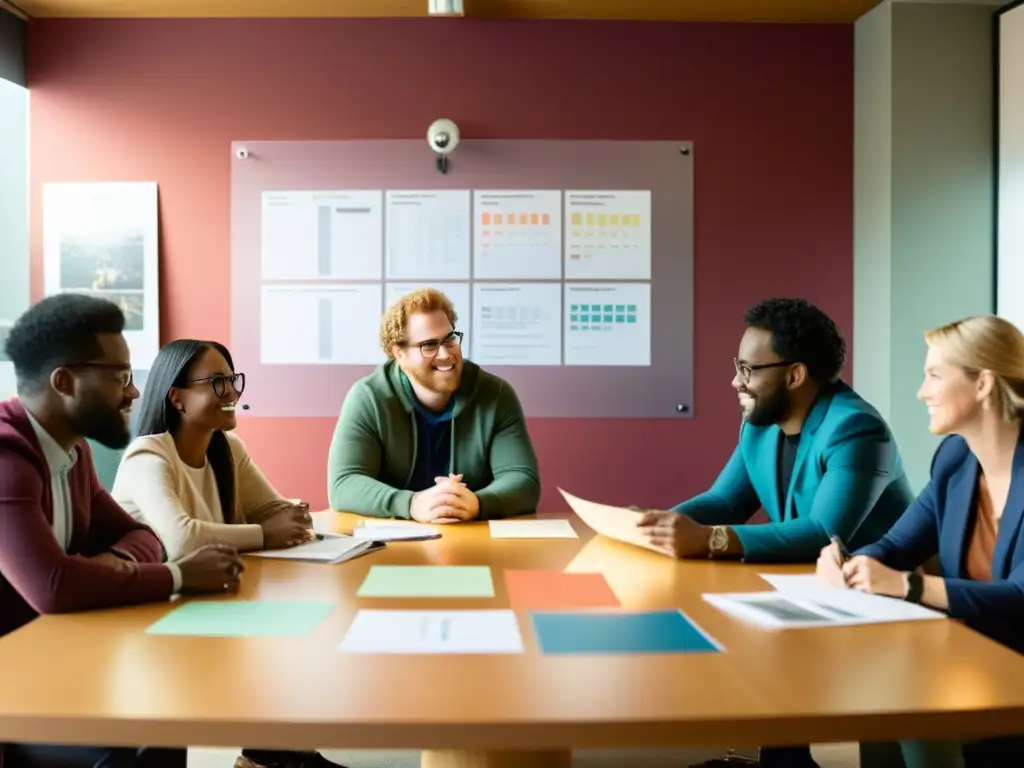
x=98 y=678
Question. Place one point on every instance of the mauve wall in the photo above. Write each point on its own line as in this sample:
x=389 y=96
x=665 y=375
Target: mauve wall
x=769 y=107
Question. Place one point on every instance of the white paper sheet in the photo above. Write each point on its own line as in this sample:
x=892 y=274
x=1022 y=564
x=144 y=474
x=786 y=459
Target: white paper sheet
x=608 y=324
x=323 y=235
x=517 y=234
x=414 y=632
x=457 y=293
x=802 y=582
x=394 y=532
x=532 y=529
x=319 y=324
x=517 y=324
x=427 y=235
x=607 y=235
x=823 y=607
x=613 y=522
x=103 y=239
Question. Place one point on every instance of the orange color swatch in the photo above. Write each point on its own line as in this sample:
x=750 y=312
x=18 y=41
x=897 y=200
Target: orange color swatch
x=554 y=590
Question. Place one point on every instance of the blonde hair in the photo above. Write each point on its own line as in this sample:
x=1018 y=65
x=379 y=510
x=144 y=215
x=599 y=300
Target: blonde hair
x=987 y=343
x=392 y=324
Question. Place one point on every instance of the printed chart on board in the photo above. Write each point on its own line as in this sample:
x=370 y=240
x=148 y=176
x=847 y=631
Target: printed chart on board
x=542 y=277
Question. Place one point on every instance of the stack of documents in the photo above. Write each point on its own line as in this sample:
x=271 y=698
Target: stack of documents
x=802 y=601
x=326 y=548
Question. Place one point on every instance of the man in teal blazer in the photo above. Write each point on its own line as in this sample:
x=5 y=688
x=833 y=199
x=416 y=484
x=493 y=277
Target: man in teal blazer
x=812 y=453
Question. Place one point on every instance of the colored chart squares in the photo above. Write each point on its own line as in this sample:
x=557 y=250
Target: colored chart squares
x=638 y=632
x=601 y=317
x=554 y=590
x=428 y=581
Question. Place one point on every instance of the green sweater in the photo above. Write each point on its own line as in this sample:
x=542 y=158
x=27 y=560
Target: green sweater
x=373 y=451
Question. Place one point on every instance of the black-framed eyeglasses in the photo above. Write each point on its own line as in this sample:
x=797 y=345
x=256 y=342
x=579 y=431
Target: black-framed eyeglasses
x=124 y=376
x=746 y=370
x=219 y=382
x=431 y=347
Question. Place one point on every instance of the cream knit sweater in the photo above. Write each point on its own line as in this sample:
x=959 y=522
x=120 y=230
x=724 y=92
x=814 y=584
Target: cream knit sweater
x=155 y=487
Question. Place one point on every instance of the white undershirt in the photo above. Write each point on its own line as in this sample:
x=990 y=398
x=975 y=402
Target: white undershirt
x=60 y=463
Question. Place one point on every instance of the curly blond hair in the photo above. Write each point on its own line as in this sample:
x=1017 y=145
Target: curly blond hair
x=392 y=324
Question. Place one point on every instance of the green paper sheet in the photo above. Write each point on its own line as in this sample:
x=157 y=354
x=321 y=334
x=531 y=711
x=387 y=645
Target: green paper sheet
x=428 y=581
x=243 y=619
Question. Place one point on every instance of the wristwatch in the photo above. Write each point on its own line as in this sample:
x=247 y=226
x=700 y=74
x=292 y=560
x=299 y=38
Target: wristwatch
x=915 y=586
x=718 y=541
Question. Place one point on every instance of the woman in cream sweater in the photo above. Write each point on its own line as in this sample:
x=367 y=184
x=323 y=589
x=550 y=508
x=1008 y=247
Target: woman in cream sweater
x=186 y=475
x=192 y=481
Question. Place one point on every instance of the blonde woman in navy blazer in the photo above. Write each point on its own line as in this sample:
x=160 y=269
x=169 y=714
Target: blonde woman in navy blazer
x=971 y=511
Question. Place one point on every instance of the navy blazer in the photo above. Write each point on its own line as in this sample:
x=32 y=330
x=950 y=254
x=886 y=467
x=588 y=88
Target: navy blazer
x=940 y=519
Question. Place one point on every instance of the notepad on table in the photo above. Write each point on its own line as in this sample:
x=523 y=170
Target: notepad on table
x=327 y=548
x=390 y=530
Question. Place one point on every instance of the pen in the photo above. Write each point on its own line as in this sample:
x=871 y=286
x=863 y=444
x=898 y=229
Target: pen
x=844 y=553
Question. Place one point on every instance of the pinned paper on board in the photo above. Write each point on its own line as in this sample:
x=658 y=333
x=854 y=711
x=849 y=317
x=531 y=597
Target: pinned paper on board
x=614 y=522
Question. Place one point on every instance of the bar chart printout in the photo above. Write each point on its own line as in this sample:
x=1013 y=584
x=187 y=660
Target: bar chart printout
x=608 y=324
x=320 y=324
x=517 y=324
x=608 y=235
x=517 y=234
x=427 y=235
x=322 y=235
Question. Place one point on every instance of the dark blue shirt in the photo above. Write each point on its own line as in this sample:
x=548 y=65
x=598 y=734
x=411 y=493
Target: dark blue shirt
x=433 y=444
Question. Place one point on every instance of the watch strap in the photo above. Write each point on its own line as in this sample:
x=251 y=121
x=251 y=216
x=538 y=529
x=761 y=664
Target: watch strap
x=915 y=587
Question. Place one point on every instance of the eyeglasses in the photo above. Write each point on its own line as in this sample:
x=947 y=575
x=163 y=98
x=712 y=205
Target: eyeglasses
x=746 y=371
x=219 y=383
x=124 y=376
x=431 y=347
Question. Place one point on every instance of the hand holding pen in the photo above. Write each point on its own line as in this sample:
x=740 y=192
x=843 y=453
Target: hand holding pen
x=831 y=562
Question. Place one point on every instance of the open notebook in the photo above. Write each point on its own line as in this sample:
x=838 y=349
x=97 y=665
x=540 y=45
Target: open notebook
x=327 y=548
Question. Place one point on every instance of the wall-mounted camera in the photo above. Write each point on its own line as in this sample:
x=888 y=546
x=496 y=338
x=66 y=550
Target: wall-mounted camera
x=443 y=138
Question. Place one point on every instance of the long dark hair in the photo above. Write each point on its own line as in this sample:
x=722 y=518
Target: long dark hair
x=158 y=415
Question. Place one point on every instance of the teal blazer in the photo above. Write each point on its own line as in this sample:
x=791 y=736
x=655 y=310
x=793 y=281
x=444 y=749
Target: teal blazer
x=848 y=481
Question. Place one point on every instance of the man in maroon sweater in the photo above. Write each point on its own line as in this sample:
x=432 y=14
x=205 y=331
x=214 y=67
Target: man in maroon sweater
x=65 y=544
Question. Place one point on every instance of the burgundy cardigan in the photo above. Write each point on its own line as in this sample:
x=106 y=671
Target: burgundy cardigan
x=36 y=575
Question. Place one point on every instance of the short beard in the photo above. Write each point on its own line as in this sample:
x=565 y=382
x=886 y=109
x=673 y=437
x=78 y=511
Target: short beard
x=97 y=422
x=771 y=408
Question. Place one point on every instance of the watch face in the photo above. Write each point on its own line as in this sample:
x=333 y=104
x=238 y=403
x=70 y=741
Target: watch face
x=719 y=540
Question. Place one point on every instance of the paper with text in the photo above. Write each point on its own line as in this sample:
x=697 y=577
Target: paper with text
x=323 y=235
x=427 y=234
x=517 y=234
x=824 y=607
x=607 y=324
x=517 y=324
x=433 y=632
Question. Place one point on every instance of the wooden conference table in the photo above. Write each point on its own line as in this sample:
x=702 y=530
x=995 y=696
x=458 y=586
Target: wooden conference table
x=98 y=678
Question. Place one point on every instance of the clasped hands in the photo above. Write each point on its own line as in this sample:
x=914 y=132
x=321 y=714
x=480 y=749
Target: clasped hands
x=449 y=500
x=864 y=574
